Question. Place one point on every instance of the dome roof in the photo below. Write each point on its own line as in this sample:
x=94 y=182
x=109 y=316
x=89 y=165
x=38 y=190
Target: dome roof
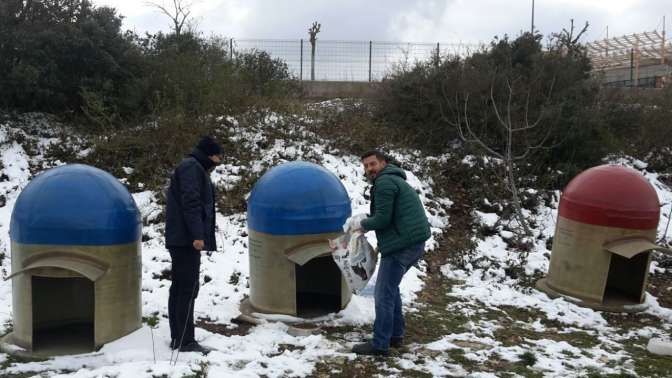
x=298 y=198
x=75 y=205
x=612 y=196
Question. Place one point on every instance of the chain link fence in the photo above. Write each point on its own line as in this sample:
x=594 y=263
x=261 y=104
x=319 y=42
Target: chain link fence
x=349 y=60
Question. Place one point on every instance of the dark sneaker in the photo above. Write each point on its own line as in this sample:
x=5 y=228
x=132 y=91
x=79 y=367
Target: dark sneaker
x=368 y=350
x=195 y=347
x=397 y=342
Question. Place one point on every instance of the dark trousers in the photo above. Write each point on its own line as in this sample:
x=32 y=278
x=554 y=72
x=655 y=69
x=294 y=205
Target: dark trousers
x=185 y=266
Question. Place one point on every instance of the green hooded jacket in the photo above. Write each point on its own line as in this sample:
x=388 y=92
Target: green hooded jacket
x=397 y=214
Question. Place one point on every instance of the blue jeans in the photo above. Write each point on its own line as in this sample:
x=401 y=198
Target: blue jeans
x=389 y=317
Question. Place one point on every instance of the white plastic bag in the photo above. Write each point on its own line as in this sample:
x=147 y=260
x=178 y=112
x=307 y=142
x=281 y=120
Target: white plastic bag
x=354 y=223
x=355 y=257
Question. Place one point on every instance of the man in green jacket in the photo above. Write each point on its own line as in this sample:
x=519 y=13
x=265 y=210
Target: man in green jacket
x=401 y=226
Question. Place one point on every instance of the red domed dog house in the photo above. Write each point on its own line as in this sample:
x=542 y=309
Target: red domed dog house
x=604 y=236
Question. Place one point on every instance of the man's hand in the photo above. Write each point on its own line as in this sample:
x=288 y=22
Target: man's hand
x=354 y=223
x=198 y=245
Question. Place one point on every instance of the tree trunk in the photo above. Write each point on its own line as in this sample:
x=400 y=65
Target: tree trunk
x=312 y=60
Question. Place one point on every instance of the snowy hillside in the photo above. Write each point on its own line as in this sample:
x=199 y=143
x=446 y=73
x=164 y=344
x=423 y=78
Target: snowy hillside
x=224 y=277
x=489 y=323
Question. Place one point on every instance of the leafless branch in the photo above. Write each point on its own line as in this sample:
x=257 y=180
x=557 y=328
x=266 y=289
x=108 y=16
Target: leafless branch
x=494 y=106
x=444 y=117
x=313 y=30
x=509 y=124
x=567 y=39
x=178 y=13
x=474 y=138
x=578 y=36
x=542 y=111
x=538 y=146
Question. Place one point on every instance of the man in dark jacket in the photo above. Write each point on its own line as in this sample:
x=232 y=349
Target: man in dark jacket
x=190 y=229
x=401 y=226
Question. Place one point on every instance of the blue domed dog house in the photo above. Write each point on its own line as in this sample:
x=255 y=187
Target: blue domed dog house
x=76 y=265
x=293 y=210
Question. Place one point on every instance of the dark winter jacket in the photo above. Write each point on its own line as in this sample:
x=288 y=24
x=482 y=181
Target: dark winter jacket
x=397 y=214
x=190 y=203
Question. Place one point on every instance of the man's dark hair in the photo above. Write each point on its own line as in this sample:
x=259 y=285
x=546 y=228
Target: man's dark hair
x=379 y=155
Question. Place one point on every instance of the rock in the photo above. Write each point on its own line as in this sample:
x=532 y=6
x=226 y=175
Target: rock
x=474 y=345
x=660 y=346
x=431 y=353
x=340 y=360
x=302 y=330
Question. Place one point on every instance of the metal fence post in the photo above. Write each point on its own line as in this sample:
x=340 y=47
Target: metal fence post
x=231 y=48
x=301 y=62
x=370 y=49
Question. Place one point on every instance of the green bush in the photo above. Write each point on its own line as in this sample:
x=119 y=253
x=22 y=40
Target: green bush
x=184 y=71
x=410 y=101
x=50 y=50
x=264 y=75
x=428 y=100
x=152 y=149
x=70 y=57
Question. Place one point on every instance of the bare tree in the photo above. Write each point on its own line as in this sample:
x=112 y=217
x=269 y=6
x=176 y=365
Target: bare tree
x=515 y=149
x=567 y=40
x=178 y=12
x=312 y=31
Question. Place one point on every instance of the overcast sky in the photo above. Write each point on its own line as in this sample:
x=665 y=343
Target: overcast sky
x=403 y=20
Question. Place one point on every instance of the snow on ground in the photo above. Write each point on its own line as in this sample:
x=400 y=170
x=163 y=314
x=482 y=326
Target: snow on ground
x=483 y=287
x=486 y=284
x=267 y=349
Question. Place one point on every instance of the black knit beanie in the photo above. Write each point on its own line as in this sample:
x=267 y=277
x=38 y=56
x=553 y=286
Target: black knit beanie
x=208 y=146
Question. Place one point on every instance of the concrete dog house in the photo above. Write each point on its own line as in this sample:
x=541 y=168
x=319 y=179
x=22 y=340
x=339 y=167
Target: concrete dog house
x=76 y=264
x=606 y=230
x=293 y=210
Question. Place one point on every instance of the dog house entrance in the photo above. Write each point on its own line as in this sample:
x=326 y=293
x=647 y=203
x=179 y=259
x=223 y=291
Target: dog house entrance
x=626 y=279
x=63 y=315
x=318 y=287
